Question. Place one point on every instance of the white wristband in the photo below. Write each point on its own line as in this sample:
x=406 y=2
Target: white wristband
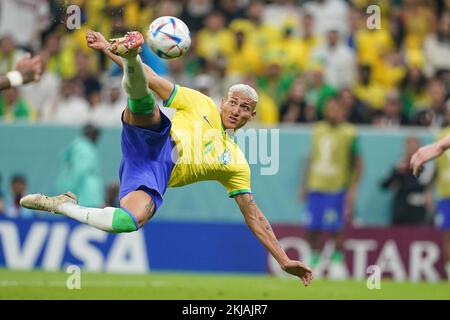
x=15 y=78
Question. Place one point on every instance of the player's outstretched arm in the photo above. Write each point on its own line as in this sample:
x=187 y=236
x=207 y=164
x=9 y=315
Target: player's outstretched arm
x=427 y=153
x=259 y=225
x=162 y=87
x=27 y=70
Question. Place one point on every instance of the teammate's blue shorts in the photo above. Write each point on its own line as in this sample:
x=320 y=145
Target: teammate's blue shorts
x=325 y=211
x=443 y=214
x=146 y=160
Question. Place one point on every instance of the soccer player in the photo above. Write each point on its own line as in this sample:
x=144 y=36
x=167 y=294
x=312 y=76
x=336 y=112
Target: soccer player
x=330 y=181
x=423 y=155
x=148 y=138
x=27 y=70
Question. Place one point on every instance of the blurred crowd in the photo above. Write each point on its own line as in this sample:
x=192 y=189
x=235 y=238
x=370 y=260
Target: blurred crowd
x=387 y=72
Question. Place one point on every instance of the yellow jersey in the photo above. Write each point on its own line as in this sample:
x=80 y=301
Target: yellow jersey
x=443 y=169
x=205 y=150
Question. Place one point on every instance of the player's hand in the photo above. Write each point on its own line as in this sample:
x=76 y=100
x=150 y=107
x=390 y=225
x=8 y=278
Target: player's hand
x=300 y=270
x=95 y=40
x=421 y=156
x=30 y=68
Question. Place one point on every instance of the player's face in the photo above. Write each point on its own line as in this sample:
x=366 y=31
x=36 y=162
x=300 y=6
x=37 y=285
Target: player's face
x=237 y=109
x=333 y=112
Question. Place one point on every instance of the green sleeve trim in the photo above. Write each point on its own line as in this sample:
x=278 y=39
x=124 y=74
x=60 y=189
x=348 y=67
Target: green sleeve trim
x=144 y=105
x=172 y=96
x=124 y=221
x=239 y=191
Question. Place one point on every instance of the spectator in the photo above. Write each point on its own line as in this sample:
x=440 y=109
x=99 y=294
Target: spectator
x=245 y=59
x=69 y=107
x=232 y=9
x=80 y=170
x=372 y=45
x=368 y=91
x=437 y=47
x=136 y=14
x=214 y=41
x=392 y=115
x=330 y=182
x=85 y=75
x=58 y=61
x=435 y=114
x=43 y=94
x=280 y=12
x=194 y=13
x=391 y=71
x=261 y=35
x=14 y=107
x=24 y=20
x=413 y=91
x=18 y=189
x=418 y=19
x=9 y=55
x=96 y=108
x=355 y=111
x=295 y=109
x=338 y=61
x=108 y=111
x=412 y=197
x=319 y=91
x=308 y=41
x=329 y=14
x=276 y=79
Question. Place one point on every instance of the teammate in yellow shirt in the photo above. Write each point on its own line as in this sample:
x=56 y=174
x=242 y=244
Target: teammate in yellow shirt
x=331 y=178
x=423 y=155
x=200 y=137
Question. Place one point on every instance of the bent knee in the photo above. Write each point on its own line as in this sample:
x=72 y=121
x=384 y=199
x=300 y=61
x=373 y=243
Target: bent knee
x=140 y=204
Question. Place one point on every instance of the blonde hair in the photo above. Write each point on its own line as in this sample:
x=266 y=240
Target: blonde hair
x=245 y=90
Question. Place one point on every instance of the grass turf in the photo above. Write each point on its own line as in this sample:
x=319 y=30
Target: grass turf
x=174 y=286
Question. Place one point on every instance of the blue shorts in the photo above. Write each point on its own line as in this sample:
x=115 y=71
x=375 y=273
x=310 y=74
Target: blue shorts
x=146 y=160
x=325 y=211
x=443 y=214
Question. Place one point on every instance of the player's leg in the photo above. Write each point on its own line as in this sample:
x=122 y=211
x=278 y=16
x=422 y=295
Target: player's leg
x=141 y=109
x=338 y=254
x=141 y=204
x=315 y=212
x=314 y=243
x=132 y=214
x=335 y=208
x=335 y=222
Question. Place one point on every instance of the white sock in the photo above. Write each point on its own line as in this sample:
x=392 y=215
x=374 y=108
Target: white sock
x=134 y=80
x=100 y=218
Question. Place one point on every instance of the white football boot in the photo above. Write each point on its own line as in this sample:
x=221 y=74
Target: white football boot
x=44 y=203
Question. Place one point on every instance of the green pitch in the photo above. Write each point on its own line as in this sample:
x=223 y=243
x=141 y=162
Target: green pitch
x=52 y=285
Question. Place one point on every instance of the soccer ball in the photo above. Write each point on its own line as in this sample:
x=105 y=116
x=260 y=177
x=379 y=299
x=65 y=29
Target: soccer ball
x=169 y=37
